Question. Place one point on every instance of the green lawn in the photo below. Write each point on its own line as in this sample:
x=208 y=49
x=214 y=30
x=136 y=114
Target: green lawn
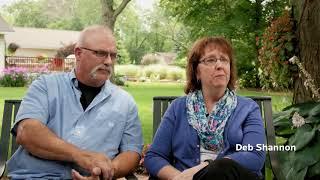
x=143 y=93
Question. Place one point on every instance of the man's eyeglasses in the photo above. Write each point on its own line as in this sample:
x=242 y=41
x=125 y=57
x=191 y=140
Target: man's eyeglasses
x=212 y=61
x=103 y=54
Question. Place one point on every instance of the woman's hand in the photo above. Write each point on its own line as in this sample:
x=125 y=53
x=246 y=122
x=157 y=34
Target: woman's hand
x=188 y=173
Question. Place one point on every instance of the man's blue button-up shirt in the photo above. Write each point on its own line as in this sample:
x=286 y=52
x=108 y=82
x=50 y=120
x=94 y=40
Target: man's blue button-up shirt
x=110 y=124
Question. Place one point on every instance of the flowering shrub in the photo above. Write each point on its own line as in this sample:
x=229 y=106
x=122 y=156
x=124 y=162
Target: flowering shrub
x=36 y=72
x=299 y=125
x=276 y=48
x=14 y=77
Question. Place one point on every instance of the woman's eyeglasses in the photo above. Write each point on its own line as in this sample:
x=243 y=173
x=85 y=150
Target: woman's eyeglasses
x=212 y=61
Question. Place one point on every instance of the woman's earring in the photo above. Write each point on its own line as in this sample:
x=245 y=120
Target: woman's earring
x=199 y=82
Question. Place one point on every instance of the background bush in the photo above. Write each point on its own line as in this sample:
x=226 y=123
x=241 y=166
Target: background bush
x=119 y=80
x=175 y=73
x=156 y=70
x=181 y=62
x=151 y=72
x=132 y=71
x=151 y=59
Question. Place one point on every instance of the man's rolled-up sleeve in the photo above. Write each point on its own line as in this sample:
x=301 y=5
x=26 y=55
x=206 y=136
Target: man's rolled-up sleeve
x=132 y=139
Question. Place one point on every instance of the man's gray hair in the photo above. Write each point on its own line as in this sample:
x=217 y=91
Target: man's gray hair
x=99 y=29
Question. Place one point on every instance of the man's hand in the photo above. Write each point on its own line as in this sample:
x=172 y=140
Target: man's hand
x=188 y=173
x=98 y=164
x=77 y=176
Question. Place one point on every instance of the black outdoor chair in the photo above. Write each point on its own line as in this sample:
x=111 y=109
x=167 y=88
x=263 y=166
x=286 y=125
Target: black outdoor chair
x=8 y=143
x=161 y=103
x=7 y=147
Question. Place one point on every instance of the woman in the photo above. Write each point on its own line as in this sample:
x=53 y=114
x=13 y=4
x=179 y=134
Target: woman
x=200 y=134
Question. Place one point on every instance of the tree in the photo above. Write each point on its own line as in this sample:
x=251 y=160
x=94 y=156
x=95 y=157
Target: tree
x=109 y=13
x=27 y=13
x=241 y=21
x=307 y=16
x=145 y=31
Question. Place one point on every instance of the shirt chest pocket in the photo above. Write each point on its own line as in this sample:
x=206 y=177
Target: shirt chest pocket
x=110 y=123
x=96 y=131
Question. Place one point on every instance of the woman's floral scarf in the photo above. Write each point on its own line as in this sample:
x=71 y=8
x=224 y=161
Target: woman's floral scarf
x=210 y=129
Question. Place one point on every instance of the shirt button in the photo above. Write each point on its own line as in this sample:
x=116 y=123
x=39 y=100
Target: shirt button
x=198 y=145
x=77 y=132
x=198 y=160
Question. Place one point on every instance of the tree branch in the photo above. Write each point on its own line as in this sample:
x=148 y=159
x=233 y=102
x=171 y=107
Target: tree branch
x=174 y=40
x=145 y=38
x=120 y=8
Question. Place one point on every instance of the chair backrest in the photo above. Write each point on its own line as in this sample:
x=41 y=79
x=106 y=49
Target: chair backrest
x=161 y=103
x=7 y=147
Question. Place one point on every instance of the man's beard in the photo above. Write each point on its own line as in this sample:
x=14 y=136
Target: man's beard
x=108 y=68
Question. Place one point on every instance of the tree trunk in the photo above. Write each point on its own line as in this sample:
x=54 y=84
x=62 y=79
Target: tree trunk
x=307 y=16
x=110 y=14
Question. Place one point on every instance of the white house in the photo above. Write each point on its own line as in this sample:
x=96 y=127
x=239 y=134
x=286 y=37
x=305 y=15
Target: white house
x=34 y=42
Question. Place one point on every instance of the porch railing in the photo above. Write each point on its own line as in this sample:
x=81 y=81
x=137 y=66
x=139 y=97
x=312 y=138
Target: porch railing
x=33 y=64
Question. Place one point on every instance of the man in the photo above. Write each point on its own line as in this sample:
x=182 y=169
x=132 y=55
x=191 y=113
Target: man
x=78 y=120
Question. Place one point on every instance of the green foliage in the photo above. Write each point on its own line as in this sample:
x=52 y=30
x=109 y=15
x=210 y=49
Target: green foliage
x=27 y=13
x=305 y=160
x=248 y=79
x=246 y=64
x=73 y=23
x=181 y=62
x=122 y=53
x=241 y=21
x=131 y=33
x=53 y=14
x=119 y=80
x=144 y=32
x=276 y=49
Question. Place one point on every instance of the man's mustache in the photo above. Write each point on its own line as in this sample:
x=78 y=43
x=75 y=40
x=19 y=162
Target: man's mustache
x=107 y=68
